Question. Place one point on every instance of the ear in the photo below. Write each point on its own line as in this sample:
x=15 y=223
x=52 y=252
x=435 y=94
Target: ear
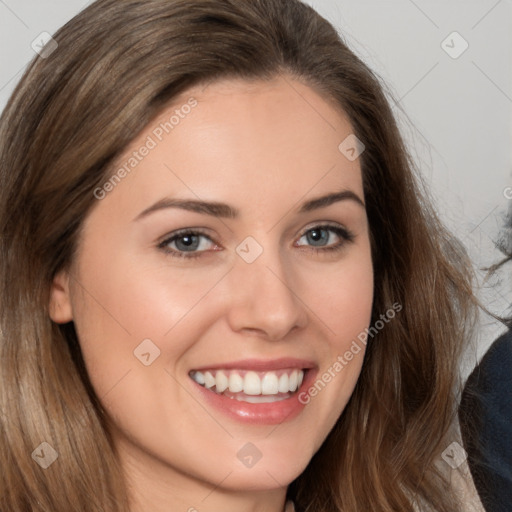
x=60 y=300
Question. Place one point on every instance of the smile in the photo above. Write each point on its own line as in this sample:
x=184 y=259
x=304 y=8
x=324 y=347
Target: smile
x=255 y=391
x=251 y=386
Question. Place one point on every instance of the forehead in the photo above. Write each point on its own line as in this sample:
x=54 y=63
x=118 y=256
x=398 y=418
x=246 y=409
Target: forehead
x=242 y=142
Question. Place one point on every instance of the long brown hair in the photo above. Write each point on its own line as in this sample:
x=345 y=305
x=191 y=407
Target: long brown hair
x=116 y=66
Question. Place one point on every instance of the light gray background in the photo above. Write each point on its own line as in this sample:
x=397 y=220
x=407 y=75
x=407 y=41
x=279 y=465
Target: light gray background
x=456 y=113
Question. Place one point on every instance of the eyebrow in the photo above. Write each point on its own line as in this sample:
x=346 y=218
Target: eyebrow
x=225 y=211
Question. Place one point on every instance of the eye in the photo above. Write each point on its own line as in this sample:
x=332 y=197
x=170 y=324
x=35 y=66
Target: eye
x=192 y=243
x=323 y=238
x=188 y=243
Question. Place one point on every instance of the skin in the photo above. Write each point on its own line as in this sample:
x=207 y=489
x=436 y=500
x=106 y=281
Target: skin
x=263 y=148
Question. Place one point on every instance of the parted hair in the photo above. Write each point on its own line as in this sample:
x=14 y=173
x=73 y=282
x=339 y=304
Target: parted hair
x=117 y=65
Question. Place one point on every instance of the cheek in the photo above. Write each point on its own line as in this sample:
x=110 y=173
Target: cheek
x=133 y=299
x=342 y=297
x=120 y=304
x=348 y=302
x=344 y=306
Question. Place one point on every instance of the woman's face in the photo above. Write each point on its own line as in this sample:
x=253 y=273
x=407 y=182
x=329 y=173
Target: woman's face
x=228 y=262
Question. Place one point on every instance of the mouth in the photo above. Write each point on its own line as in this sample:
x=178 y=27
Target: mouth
x=251 y=386
x=255 y=391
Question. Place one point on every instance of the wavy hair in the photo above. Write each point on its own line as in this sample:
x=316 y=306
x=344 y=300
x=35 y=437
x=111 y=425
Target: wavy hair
x=117 y=65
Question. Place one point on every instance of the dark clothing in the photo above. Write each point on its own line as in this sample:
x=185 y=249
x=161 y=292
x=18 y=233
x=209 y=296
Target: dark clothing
x=486 y=424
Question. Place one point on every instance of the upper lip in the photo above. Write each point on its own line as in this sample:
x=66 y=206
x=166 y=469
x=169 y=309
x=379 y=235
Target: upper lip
x=261 y=365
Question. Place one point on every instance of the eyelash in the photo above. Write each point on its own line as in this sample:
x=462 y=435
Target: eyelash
x=345 y=235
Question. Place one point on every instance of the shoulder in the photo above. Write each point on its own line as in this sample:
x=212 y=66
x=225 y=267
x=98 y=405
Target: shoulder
x=496 y=363
x=486 y=424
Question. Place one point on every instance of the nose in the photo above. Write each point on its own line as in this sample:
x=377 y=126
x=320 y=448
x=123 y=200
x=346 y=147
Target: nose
x=264 y=299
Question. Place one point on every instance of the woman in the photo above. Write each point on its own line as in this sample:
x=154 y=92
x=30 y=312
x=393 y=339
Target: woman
x=222 y=288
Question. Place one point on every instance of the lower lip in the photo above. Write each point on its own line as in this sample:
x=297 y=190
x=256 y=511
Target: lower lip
x=271 y=413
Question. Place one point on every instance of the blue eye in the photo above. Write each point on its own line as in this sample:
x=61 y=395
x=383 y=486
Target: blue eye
x=188 y=243
x=321 y=238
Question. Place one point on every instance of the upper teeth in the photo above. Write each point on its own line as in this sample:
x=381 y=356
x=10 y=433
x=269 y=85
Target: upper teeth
x=249 y=382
